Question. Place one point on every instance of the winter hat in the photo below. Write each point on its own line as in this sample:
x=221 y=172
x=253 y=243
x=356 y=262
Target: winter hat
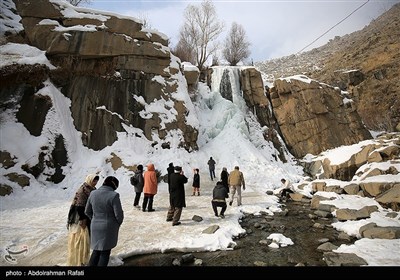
x=140 y=167
x=111 y=181
x=178 y=169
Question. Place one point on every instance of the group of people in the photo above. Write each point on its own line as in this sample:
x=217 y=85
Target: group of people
x=230 y=183
x=147 y=183
x=95 y=217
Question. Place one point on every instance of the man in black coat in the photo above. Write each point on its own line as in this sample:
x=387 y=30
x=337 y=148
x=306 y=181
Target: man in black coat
x=170 y=171
x=176 y=196
x=220 y=193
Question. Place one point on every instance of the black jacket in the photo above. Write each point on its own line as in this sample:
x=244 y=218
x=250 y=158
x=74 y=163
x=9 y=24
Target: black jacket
x=177 y=190
x=220 y=193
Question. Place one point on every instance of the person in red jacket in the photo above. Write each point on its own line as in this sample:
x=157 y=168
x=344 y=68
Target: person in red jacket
x=150 y=188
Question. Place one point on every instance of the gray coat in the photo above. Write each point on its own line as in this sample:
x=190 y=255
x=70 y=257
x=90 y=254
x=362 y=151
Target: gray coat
x=139 y=187
x=105 y=212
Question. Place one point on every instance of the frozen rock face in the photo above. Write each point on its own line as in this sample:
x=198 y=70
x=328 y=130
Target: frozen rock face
x=314 y=117
x=118 y=77
x=106 y=63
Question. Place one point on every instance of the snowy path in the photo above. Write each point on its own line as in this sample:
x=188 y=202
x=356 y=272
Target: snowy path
x=141 y=232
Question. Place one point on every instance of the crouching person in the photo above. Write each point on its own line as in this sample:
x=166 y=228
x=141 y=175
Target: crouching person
x=287 y=189
x=220 y=193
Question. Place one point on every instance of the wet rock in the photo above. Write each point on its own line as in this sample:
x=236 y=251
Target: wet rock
x=211 y=229
x=264 y=242
x=323 y=240
x=324 y=214
x=187 y=258
x=392 y=215
x=327 y=247
x=197 y=218
x=177 y=262
x=318 y=225
x=344 y=236
x=343 y=259
x=260 y=263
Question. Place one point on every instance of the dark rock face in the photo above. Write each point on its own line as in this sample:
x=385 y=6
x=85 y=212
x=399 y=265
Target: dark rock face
x=225 y=87
x=314 y=117
x=60 y=159
x=103 y=72
x=93 y=111
x=33 y=111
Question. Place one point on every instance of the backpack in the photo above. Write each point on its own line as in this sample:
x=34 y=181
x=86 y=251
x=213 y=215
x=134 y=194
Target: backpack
x=135 y=180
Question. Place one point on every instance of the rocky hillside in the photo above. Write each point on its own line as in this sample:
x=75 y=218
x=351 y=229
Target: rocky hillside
x=364 y=63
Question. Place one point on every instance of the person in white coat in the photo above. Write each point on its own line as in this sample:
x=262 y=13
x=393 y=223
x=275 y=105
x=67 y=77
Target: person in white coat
x=287 y=188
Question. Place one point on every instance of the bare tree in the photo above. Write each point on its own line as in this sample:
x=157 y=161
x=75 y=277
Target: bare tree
x=145 y=20
x=215 y=60
x=184 y=52
x=200 y=30
x=78 y=2
x=236 y=47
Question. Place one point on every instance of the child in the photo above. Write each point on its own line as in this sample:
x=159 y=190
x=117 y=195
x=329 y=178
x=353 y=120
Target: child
x=196 y=182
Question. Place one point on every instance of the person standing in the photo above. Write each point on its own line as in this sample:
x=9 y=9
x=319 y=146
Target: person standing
x=105 y=211
x=219 y=195
x=211 y=166
x=79 y=224
x=139 y=185
x=150 y=188
x=170 y=171
x=176 y=196
x=236 y=181
x=196 y=182
x=224 y=178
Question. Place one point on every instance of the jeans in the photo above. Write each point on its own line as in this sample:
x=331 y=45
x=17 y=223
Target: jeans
x=216 y=204
x=237 y=189
x=137 y=197
x=148 y=198
x=285 y=192
x=212 y=173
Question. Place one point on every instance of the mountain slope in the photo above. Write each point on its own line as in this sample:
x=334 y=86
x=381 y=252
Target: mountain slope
x=365 y=63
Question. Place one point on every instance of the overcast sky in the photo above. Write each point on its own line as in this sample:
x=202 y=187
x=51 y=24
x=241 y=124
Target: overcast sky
x=274 y=28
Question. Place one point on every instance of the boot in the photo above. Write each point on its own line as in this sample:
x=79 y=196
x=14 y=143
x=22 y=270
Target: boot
x=198 y=193
x=150 y=209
